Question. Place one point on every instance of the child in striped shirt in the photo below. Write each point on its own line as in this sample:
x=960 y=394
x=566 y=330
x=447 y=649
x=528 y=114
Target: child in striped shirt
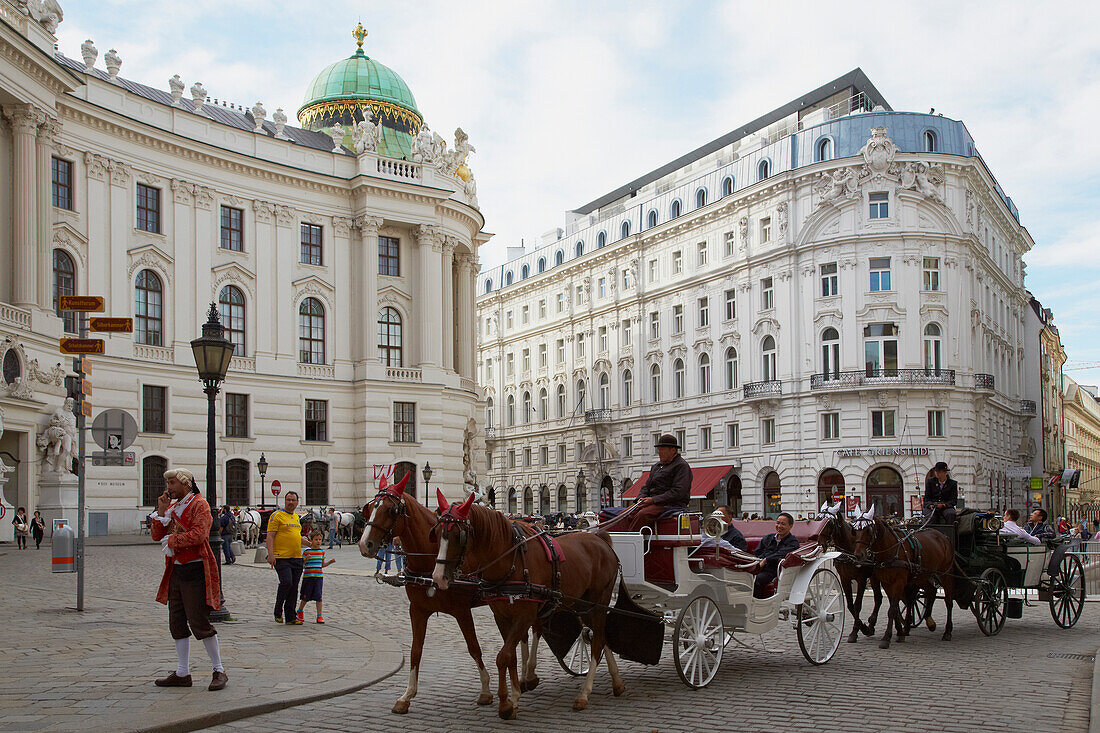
x=312 y=579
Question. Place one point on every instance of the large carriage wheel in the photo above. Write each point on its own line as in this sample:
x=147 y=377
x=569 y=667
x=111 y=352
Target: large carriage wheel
x=990 y=598
x=917 y=610
x=1067 y=592
x=699 y=638
x=821 y=617
x=579 y=656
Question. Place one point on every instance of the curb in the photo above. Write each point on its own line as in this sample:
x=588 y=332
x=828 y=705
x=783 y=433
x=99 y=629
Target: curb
x=1094 y=708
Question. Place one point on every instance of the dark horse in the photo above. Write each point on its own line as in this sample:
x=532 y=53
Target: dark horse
x=392 y=514
x=916 y=559
x=507 y=560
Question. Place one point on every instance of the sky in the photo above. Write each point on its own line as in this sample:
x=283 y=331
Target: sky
x=565 y=100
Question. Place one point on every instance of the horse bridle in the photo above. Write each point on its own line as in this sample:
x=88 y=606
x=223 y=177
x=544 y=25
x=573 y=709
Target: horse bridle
x=396 y=513
x=447 y=521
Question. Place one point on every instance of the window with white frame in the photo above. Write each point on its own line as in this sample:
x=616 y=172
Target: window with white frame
x=731 y=304
x=932 y=359
x=526 y=314
x=509 y=320
x=512 y=458
x=731 y=368
x=704 y=374
x=578 y=295
x=880 y=274
x=880 y=205
x=559 y=398
x=625 y=332
x=509 y=364
x=602 y=337
x=544 y=455
x=526 y=456
x=655 y=382
x=561 y=302
x=677 y=262
x=601 y=287
x=830 y=284
x=628 y=279
x=654 y=325
x=701 y=254
x=830 y=425
x=561 y=453
x=526 y=360
x=935 y=423
x=733 y=435
x=678 y=379
x=767 y=294
x=605 y=391
x=579 y=346
x=628 y=388
x=880 y=349
x=628 y=446
x=765 y=230
x=830 y=353
x=767 y=431
x=730 y=240
x=704 y=312
x=704 y=438
x=652 y=271
x=681 y=437
x=931 y=273
x=542 y=308
x=767 y=349
x=488 y=370
x=677 y=319
x=542 y=356
x=560 y=351
x=882 y=423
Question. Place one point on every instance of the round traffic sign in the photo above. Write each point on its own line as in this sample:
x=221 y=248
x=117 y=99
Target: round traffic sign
x=114 y=430
x=276 y=487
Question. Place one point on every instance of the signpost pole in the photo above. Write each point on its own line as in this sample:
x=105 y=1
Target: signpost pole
x=80 y=494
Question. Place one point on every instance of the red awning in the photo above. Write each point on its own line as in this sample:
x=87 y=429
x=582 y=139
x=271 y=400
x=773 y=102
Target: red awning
x=703 y=481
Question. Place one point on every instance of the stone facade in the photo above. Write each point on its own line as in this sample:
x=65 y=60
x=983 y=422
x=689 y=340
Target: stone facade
x=1082 y=413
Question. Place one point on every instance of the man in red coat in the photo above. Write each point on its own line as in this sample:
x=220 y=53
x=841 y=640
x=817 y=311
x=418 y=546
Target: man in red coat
x=181 y=524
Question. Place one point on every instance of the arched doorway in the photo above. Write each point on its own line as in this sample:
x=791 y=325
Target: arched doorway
x=528 y=502
x=830 y=487
x=512 y=500
x=544 y=500
x=607 y=492
x=563 y=498
x=492 y=497
x=733 y=494
x=884 y=488
x=773 y=496
x=399 y=471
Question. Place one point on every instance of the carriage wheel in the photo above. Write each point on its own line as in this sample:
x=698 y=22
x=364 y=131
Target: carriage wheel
x=579 y=656
x=919 y=608
x=821 y=617
x=699 y=638
x=990 y=599
x=1067 y=592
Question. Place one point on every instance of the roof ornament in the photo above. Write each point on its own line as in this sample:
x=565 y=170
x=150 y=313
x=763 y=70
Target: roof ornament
x=359 y=34
x=259 y=114
x=175 y=85
x=279 y=118
x=114 y=63
x=89 y=53
x=198 y=96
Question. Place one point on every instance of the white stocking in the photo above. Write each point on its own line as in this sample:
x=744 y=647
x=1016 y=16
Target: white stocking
x=211 y=644
x=183 y=653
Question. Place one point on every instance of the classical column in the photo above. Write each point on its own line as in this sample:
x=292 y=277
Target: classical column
x=48 y=132
x=368 y=285
x=464 y=333
x=24 y=120
x=429 y=249
x=447 y=269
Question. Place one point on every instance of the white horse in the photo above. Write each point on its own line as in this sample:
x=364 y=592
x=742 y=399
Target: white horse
x=346 y=529
x=248 y=527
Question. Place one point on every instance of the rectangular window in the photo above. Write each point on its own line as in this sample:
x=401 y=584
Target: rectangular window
x=731 y=243
x=526 y=456
x=542 y=356
x=677 y=262
x=509 y=320
x=880 y=274
x=488 y=370
x=389 y=256
x=316 y=420
x=935 y=423
x=767 y=431
x=232 y=229
x=489 y=460
x=510 y=364
x=931 y=273
x=701 y=257
x=154 y=415
x=61 y=172
x=655 y=325
x=704 y=312
x=731 y=304
x=404 y=422
x=880 y=205
x=681 y=438
x=578 y=447
x=561 y=302
x=765 y=230
x=628 y=281
x=653 y=271
x=704 y=438
x=657 y=437
x=882 y=423
x=544 y=456
x=602 y=332
x=578 y=295
x=830 y=426
x=311 y=244
x=542 y=308
x=628 y=446
x=601 y=288
x=767 y=294
x=526 y=360
x=733 y=435
x=880 y=349
x=512 y=458
x=561 y=454
x=829 y=283
x=677 y=319
x=148 y=208
x=525 y=315
x=236 y=415
x=561 y=351
x=627 y=335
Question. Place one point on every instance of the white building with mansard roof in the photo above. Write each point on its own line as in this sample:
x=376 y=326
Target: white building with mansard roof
x=825 y=301
x=342 y=255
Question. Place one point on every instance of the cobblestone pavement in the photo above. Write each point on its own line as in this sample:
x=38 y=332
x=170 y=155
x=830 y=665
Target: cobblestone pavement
x=60 y=670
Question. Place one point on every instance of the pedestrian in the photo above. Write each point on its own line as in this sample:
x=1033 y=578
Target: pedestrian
x=312 y=577
x=181 y=523
x=38 y=530
x=228 y=524
x=333 y=528
x=398 y=555
x=284 y=553
x=22 y=528
x=384 y=556
x=1063 y=525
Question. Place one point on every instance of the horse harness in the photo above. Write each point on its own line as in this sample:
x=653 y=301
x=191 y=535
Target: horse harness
x=396 y=512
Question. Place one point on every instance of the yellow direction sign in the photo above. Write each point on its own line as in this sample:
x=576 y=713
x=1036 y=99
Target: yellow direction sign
x=111 y=325
x=86 y=408
x=85 y=366
x=81 y=346
x=93 y=303
x=86 y=387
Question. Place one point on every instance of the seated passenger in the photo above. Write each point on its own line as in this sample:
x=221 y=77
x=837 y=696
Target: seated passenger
x=1037 y=525
x=771 y=550
x=1013 y=529
x=668 y=486
x=732 y=538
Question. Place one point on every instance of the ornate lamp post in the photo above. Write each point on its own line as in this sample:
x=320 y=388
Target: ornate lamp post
x=427 y=477
x=213 y=353
x=261 y=466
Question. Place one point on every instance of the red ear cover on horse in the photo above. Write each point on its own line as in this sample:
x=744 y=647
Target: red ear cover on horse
x=399 y=488
x=462 y=511
x=382 y=482
x=443 y=505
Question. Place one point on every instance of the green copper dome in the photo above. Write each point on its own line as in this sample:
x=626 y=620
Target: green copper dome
x=341 y=92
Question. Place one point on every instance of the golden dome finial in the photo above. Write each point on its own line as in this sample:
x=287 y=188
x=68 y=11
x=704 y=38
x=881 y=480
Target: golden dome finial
x=359 y=34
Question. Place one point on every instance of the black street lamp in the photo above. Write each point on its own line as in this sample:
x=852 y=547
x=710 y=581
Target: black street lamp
x=213 y=353
x=427 y=477
x=261 y=466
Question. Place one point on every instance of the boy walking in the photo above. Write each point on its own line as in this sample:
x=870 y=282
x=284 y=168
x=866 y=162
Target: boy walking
x=312 y=579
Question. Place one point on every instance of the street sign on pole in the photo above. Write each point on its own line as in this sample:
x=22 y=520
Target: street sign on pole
x=276 y=487
x=81 y=346
x=86 y=387
x=92 y=303
x=112 y=325
x=114 y=430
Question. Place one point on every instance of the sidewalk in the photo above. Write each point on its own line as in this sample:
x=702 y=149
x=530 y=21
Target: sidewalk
x=63 y=670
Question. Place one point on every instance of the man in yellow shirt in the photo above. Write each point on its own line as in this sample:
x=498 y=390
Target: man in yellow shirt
x=284 y=553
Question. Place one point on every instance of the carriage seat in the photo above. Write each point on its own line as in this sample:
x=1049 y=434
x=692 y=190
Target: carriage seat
x=754 y=530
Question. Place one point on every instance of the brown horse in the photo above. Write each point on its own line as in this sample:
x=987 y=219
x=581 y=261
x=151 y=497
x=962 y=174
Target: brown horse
x=392 y=514
x=839 y=533
x=916 y=559
x=508 y=561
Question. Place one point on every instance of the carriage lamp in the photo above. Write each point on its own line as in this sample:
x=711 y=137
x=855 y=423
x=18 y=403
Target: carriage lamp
x=580 y=476
x=261 y=466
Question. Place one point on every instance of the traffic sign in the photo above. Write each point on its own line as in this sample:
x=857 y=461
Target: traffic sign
x=85 y=408
x=111 y=325
x=92 y=303
x=81 y=346
x=114 y=458
x=276 y=487
x=114 y=430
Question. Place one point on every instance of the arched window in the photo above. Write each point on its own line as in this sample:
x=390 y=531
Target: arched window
x=512 y=500
x=674 y=210
x=885 y=490
x=651 y=219
x=655 y=382
x=605 y=392
x=524 y=272
x=601 y=240
x=389 y=337
x=231 y=311
x=578 y=249
x=624 y=230
x=508 y=278
x=11 y=367
x=823 y=150
x=830 y=353
x=237 y=474
x=731 y=368
x=544 y=404
x=311 y=332
x=542 y=264
x=767 y=348
x=582 y=390
x=492 y=494
x=932 y=359
x=489 y=285
x=510 y=410
x=704 y=374
x=526 y=407
x=628 y=388
x=148 y=309
x=929 y=141
x=152 y=479
x=544 y=500
x=561 y=400
x=773 y=496
x=763 y=170
x=559 y=257
x=563 y=498
x=316 y=483
x=490 y=413
x=830 y=487
x=528 y=502
x=678 y=379
x=700 y=198
x=727 y=185
x=64 y=283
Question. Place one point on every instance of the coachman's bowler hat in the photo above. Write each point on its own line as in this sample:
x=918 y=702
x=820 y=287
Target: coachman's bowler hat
x=668 y=441
x=941 y=466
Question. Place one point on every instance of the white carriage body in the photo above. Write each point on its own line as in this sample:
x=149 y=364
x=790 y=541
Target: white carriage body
x=1033 y=560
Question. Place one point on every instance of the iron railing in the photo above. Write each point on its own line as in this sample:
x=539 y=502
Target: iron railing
x=1027 y=407
x=880 y=377
x=985 y=381
x=763 y=389
x=597 y=416
x=490 y=432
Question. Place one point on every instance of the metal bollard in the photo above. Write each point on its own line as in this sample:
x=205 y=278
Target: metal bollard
x=64 y=547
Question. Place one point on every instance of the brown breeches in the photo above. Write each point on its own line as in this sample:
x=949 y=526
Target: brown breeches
x=642 y=517
x=187 y=610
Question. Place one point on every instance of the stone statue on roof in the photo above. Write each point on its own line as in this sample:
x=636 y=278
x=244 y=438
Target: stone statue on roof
x=336 y=132
x=423 y=146
x=175 y=86
x=367 y=134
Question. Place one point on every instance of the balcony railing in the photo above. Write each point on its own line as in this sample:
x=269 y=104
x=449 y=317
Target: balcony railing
x=399 y=169
x=597 y=416
x=490 y=432
x=879 y=377
x=403 y=374
x=985 y=381
x=1027 y=407
x=763 y=389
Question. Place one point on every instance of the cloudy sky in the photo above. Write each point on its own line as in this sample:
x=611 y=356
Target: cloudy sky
x=565 y=100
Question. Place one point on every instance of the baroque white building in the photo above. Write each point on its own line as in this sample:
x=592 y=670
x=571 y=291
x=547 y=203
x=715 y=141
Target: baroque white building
x=825 y=301
x=342 y=256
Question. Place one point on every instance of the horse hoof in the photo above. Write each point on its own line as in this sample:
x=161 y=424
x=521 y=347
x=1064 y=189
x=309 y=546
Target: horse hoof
x=400 y=707
x=508 y=713
x=485 y=699
x=579 y=705
x=901 y=639
x=869 y=630
x=884 y=644
x=618 y=690
x=853 y=637
x=528 y=685
x=931 y=625
x=947 y=636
